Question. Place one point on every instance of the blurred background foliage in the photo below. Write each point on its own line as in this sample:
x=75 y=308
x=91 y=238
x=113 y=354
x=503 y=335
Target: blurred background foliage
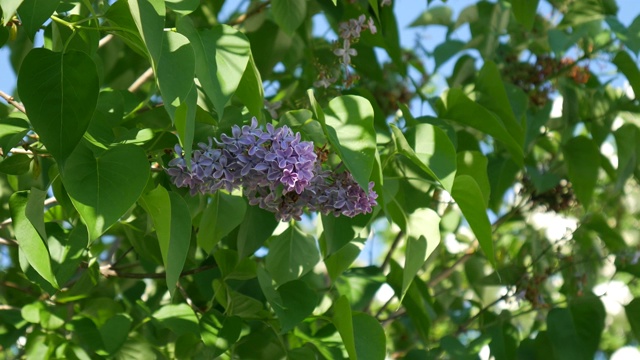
x=506 y=160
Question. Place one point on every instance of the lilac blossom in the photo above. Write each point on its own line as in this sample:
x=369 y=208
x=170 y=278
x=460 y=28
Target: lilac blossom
x=276 y=170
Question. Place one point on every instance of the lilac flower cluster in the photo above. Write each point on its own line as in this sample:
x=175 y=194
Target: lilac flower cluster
x=277 y=171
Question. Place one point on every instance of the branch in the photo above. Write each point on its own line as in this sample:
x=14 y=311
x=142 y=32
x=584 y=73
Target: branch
x=105 y=40
x=9 y=221
x=107 y=271
x=445 y=274
x=12 y=101
x=141 y=80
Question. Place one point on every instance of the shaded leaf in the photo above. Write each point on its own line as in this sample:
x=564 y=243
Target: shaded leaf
x=16 y=164
x=33 y=13
x=525 y=12
x=291 y=255
x=223 y=214
x=582 y=157
x=289 y=14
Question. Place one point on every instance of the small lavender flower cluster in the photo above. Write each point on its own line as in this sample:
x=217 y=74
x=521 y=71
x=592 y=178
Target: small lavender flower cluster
x=349 y=32
x=277 y=171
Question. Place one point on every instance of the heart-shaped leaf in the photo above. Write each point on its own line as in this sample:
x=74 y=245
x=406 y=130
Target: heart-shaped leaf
x=103 y=187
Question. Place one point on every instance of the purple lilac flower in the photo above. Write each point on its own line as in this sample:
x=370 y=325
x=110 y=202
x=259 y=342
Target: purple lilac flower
x=276 y=170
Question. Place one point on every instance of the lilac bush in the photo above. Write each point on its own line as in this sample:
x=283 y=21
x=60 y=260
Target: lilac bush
x=276 y=170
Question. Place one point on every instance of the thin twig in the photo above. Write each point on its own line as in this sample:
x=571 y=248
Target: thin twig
x=121 y=257
x=394 y=245
x=187 y=298
x=8 y=242
x=141 y=80
x=108 y=271
x=12 y=101
x=242 y=18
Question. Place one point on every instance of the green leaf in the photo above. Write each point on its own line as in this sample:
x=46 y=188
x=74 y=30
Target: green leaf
x=337 y=232
x=16 y=164
x=291 y=255
x=292 y=302
x=575 y=332
x=179 y=318
x=627 y=140
x=469 y=198
x=172 y=220
x=218 y=331
x=632 y=310
x=185 y=122
x=430 y=148
x=175 y=71
x=611 y=238
x=33 y=13
x=115 y=332
x=582 y=157
x=435 y=15
x=525 y=12
x=12 y=130
x=501 y=173
x=446 y=50
x=424 y=236
x=493 y=96
x=504 y=341
x=256 y=227
x=343 y=321
x=289 y=14
x=35 y=210
x=474 y=164
x=221 y=57
x=183 y=7
x=348 y=124
x=121 y=18
x=460 y=108
x=369 y=337
x=30 y=242
x=59 y=112
x=102 y=188
x=415 y=301
x=148 y=16
x=628 y=66
x=340 y=261
x=250 y=89
x=223 y=214
x=360 y=285
x=9 y=8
